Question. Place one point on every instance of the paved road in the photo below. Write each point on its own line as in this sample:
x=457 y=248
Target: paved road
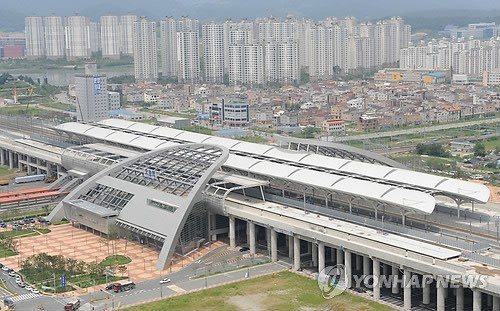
x=150 y=290
x=198 y=275
x=415 y=130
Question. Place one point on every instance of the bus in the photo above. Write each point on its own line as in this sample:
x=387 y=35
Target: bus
x=123 y=286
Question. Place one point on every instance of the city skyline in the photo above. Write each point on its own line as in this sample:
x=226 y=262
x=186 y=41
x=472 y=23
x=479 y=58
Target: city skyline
x=220 y=10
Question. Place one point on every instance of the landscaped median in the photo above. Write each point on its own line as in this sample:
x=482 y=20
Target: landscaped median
x=47 y=272
x=9 y=242
x=285 y=291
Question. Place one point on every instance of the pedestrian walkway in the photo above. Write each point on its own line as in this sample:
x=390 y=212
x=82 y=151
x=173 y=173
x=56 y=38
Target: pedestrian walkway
x=22 y=297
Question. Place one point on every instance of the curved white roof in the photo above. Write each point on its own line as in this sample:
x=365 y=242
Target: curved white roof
x=385 y=174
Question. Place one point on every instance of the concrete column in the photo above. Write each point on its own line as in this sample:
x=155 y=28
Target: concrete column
x=2 y=156
x=348 y=268
x=460 y=298
x=366 y=265
x=232 y=232
x=251 y=225
x=11 y=159
x=496 y=303
x=395 y=278
x=440 y=295
x=476 y=300
x=386 y=270
x=340 y=256
x=407 y=289
x=321 y=256
x=333 y=254
x=376 y=279
x=296 y=253
x=274 y=245
x=290 y=247
x=359 y=260
x=314 y=254
x=426 y=291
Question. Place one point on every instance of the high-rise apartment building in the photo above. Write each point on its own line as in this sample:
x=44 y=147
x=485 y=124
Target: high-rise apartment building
x=77 y=37
x=54 y=37
x=35 y=37
x=213 y=52
x=92 y=95
x=168 y=47
x=246 y=64
x=145 y=50
x=110 y=36
x=127 y=34
x=188 y=57
x=94 y=37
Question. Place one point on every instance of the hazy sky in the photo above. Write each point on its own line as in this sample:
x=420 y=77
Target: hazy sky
x=221 y=9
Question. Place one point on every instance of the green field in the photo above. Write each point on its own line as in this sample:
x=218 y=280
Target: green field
x=6 y=171
x=283 y=291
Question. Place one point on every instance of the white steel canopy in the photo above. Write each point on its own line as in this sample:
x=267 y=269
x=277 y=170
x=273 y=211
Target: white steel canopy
x=352 y=170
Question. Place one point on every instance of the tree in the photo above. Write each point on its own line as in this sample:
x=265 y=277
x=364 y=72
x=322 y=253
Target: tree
x=479 y=149
x=122 y=269
x=336 y=71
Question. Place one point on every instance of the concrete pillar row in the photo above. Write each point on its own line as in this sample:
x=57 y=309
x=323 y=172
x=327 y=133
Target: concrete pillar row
x=251 y=237
x=314 y=254
x=359 y=262
x=376 y=279
x=496 y=303
x=232 y=232
x=2 y=156
x=340 y=256
x=395 y=280
x=321 y=256
x=460 y=298
x=366 y=265
x=426 y=291
x=348 y=268
x=296 y=253
x=290 y=246
x=274 y=245
x=476 y=300
x=440 y=299
x=11 y=159
x=407 y=289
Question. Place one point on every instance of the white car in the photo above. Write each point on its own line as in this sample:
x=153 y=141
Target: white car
x=164 y=281
x=28 y=288
x=35 y=291
x=5 y=268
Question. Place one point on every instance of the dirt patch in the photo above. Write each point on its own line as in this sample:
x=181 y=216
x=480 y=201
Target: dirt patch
x=249 y=303
x=486 y=270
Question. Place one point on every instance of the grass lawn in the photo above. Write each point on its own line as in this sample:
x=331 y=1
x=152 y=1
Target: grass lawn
x=5 y=252
x=60 y=106
x=17 y=233
x=283 y=291
x=115 y=260
x=88 y=280
x=6 y=171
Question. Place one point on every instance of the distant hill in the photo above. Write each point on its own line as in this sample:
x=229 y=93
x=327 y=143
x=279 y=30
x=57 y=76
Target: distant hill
x=437 y=20
x=11 y=21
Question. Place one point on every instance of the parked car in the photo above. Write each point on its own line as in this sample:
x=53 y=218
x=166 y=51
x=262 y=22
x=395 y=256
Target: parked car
x=165 y=281
x=12 y=273
x=244 y=249
x=17 y=227
x=28 y=288
x=35 y=291
x=5 y=268
x=21 y=284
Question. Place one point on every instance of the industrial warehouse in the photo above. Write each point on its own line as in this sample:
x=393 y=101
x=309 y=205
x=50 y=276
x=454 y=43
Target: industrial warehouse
x=318 y=206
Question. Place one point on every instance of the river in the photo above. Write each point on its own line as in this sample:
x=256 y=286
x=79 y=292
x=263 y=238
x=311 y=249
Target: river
x=63 y=76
